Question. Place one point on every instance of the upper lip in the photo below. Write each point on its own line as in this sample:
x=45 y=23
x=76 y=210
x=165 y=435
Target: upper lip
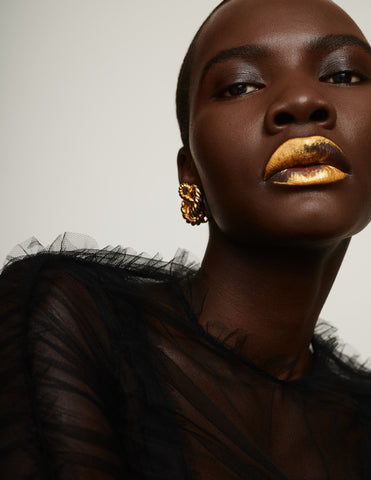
x=306 y=151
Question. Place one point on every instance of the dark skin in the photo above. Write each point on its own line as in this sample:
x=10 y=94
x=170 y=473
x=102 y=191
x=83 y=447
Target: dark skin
x=274 y=251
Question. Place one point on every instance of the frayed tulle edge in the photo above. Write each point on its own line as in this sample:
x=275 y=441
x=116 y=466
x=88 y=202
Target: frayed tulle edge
x=63 y=243
x=339 y=356
x=341 y=352
x=85 y=247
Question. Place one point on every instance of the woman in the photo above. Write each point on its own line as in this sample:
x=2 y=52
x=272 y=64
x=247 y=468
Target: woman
x=116 y=368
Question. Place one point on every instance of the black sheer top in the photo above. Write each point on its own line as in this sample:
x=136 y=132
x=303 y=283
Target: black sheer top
x=106 y=374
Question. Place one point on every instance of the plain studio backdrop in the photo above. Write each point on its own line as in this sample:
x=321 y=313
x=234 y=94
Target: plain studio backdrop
x=88 y=136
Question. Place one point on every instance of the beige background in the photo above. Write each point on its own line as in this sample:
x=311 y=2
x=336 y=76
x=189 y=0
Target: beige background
x=88 y=137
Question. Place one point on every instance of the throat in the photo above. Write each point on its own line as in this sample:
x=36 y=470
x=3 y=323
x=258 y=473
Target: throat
x=265 y=305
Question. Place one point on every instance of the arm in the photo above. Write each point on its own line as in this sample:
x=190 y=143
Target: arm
x=58 y=412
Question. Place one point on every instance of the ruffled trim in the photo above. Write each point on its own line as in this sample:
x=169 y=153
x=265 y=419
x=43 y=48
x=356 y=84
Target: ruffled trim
x=84 y=246
x=65 y=242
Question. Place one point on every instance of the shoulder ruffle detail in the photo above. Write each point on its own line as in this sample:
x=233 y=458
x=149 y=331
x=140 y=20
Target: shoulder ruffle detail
x=63 y=243
x=84 y=247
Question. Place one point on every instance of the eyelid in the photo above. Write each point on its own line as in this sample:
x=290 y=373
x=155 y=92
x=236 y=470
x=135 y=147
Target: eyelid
x=223 y=93
x=246 y=85
x=353 y=72
x=331 y=68
x=233 y=72
x=345 y=60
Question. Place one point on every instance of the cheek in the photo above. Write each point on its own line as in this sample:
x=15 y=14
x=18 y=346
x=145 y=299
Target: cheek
x=217 y=131
x=226 y=145
x=354 y=122
x=223 y=166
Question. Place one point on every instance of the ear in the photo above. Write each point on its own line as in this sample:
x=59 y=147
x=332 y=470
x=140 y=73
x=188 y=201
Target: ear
x=187 y=171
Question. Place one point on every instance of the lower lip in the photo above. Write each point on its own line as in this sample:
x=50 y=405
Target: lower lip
x=313 y=175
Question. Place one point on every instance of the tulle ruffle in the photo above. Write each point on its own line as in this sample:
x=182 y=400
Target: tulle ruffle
x=106 y=373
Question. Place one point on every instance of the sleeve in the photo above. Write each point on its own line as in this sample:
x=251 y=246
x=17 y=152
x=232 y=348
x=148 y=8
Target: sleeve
x=58 y=376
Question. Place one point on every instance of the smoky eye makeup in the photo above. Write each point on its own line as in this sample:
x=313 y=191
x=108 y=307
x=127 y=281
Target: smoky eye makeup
x=228 y=80
x=345 y=67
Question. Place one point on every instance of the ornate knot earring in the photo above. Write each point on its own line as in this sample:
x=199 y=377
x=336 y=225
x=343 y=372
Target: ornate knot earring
x=193 y=206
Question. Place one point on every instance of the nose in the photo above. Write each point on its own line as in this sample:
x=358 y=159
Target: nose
x=299 y=107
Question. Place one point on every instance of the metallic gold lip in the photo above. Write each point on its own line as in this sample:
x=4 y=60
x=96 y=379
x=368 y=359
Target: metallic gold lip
x=314 y=160
x=316 y=175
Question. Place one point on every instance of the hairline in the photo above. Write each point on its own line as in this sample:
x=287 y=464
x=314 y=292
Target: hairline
x=182 y=91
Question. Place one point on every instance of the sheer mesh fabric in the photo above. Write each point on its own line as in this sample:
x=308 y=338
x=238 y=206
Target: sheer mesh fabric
x=105 y=373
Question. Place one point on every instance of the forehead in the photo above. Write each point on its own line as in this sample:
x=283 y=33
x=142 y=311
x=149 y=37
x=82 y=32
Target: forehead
x=271 y=23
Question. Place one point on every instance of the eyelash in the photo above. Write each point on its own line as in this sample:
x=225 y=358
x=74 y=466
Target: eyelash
x=351 y=73
x=239 y=90
x=242 y=88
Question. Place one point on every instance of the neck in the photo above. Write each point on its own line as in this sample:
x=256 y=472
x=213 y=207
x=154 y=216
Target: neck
x=272 y=295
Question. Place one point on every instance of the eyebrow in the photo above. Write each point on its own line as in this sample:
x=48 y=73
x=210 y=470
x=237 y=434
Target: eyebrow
x=332 y=42
x=254 y=52
x=248 y=52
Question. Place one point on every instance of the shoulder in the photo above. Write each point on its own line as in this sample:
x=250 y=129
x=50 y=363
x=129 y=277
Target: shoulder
x=68 y=285
x=74 y=302
x=109 y=294
x=48 y=291
x=115 y=274
x=337 y=368
x=34 y=273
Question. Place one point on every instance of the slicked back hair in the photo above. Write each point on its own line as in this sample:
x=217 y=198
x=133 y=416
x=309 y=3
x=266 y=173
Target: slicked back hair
x=184 y=79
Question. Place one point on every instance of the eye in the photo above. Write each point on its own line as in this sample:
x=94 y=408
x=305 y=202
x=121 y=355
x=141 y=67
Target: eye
x=239 y=90
x=348 y=77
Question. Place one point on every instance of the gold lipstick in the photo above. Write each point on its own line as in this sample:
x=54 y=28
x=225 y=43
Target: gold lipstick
x=312 y=160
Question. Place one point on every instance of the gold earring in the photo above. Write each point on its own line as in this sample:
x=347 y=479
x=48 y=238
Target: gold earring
x=193 y=206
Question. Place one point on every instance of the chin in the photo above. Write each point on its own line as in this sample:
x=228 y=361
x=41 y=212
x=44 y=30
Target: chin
x=310 y=217
x=313 y=229
x=326 y=226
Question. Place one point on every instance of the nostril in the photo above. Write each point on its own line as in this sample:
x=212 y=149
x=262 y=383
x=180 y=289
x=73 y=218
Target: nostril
x=319 y=115
x=283 y=118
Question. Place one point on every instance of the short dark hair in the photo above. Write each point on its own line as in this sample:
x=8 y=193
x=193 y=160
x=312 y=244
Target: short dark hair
x=184 y=79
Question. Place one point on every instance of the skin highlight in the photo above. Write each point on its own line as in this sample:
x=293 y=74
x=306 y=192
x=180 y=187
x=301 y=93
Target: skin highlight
x=292 y=70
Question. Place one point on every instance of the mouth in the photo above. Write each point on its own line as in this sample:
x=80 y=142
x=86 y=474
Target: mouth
x=307 y=161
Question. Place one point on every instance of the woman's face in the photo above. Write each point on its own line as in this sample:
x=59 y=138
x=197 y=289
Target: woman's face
x=264 y=72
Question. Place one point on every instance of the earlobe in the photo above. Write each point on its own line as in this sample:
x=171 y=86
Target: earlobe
x=187 y=172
